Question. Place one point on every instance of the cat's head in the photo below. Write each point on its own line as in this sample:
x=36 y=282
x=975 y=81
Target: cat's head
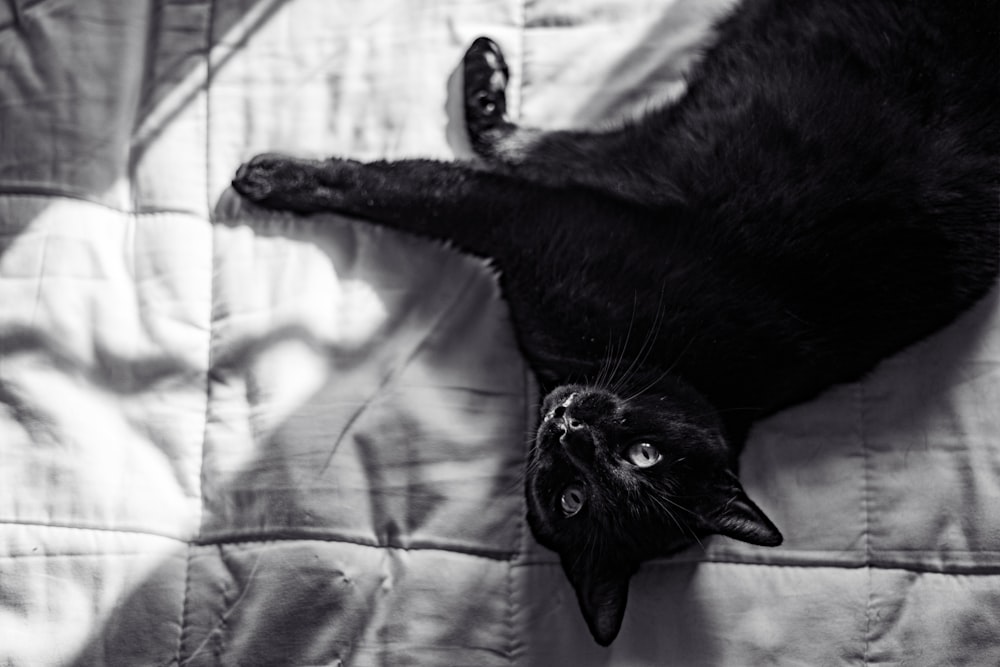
x=613 y=482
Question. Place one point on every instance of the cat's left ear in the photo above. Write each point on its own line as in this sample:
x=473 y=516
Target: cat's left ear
x=738 y=517
x=602 y=592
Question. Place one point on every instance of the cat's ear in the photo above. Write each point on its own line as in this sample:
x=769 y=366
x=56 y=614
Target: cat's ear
x=738 y=517
x=602 y=591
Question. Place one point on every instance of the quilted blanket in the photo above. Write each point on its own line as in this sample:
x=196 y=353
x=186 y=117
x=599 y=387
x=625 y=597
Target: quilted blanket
x=231 y=437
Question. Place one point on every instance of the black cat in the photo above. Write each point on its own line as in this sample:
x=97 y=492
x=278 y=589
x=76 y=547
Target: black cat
x=824 y=194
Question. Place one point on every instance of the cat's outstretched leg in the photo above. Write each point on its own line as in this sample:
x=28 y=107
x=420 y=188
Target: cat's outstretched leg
x=477 y=210
x=620 y=162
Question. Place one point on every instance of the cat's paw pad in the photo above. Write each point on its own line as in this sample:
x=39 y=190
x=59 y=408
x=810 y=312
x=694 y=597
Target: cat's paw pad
x=485 y=77
x=260 y=177
x=272 y=180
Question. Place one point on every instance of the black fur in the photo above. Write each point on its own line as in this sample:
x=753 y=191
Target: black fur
x=824 y=194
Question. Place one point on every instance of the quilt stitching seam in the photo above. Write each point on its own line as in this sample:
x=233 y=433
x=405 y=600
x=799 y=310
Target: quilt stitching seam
x=522 y=539
x=524 y=60
x=511 y=610
x=184 y=626
x=49 y=192
x=209 y=34
x=184 y=605
x=978 y=570
x=148 y=78
x=266 y=539
x=522 y=534
x=866 y=503
x=511 y=581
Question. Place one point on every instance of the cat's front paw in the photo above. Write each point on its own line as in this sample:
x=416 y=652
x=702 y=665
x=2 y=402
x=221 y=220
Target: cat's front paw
x=485 y=77
x=277 y=181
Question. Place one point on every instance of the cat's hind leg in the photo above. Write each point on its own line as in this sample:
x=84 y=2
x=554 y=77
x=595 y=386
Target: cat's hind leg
x=619 y=162
x=494 y=137
x=484 y=85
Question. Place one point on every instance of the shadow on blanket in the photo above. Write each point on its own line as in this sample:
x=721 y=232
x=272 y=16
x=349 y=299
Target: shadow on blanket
x=357 y=493
x=306 y=552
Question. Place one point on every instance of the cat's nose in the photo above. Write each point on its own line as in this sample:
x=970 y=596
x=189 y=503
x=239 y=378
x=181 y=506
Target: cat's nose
x=575 y=437
x=572 y=424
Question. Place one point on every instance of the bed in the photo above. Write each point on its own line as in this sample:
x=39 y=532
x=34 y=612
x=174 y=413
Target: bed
x=238 y=437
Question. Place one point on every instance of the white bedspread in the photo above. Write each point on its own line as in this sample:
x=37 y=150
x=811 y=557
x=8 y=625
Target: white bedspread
x=230 y=437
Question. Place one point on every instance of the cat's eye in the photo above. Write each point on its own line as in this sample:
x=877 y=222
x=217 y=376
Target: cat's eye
x=572 y=499
x=643 y=455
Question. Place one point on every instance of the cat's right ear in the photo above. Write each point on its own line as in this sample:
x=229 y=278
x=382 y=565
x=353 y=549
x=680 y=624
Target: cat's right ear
x=738 y=517
x=602 y=592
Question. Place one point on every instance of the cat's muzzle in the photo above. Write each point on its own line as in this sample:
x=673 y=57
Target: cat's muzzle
x=559 y=410
x=576 y=439
x=572 y=433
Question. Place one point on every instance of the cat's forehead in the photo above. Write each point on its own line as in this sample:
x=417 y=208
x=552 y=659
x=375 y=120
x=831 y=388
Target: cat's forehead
x=658 y=411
